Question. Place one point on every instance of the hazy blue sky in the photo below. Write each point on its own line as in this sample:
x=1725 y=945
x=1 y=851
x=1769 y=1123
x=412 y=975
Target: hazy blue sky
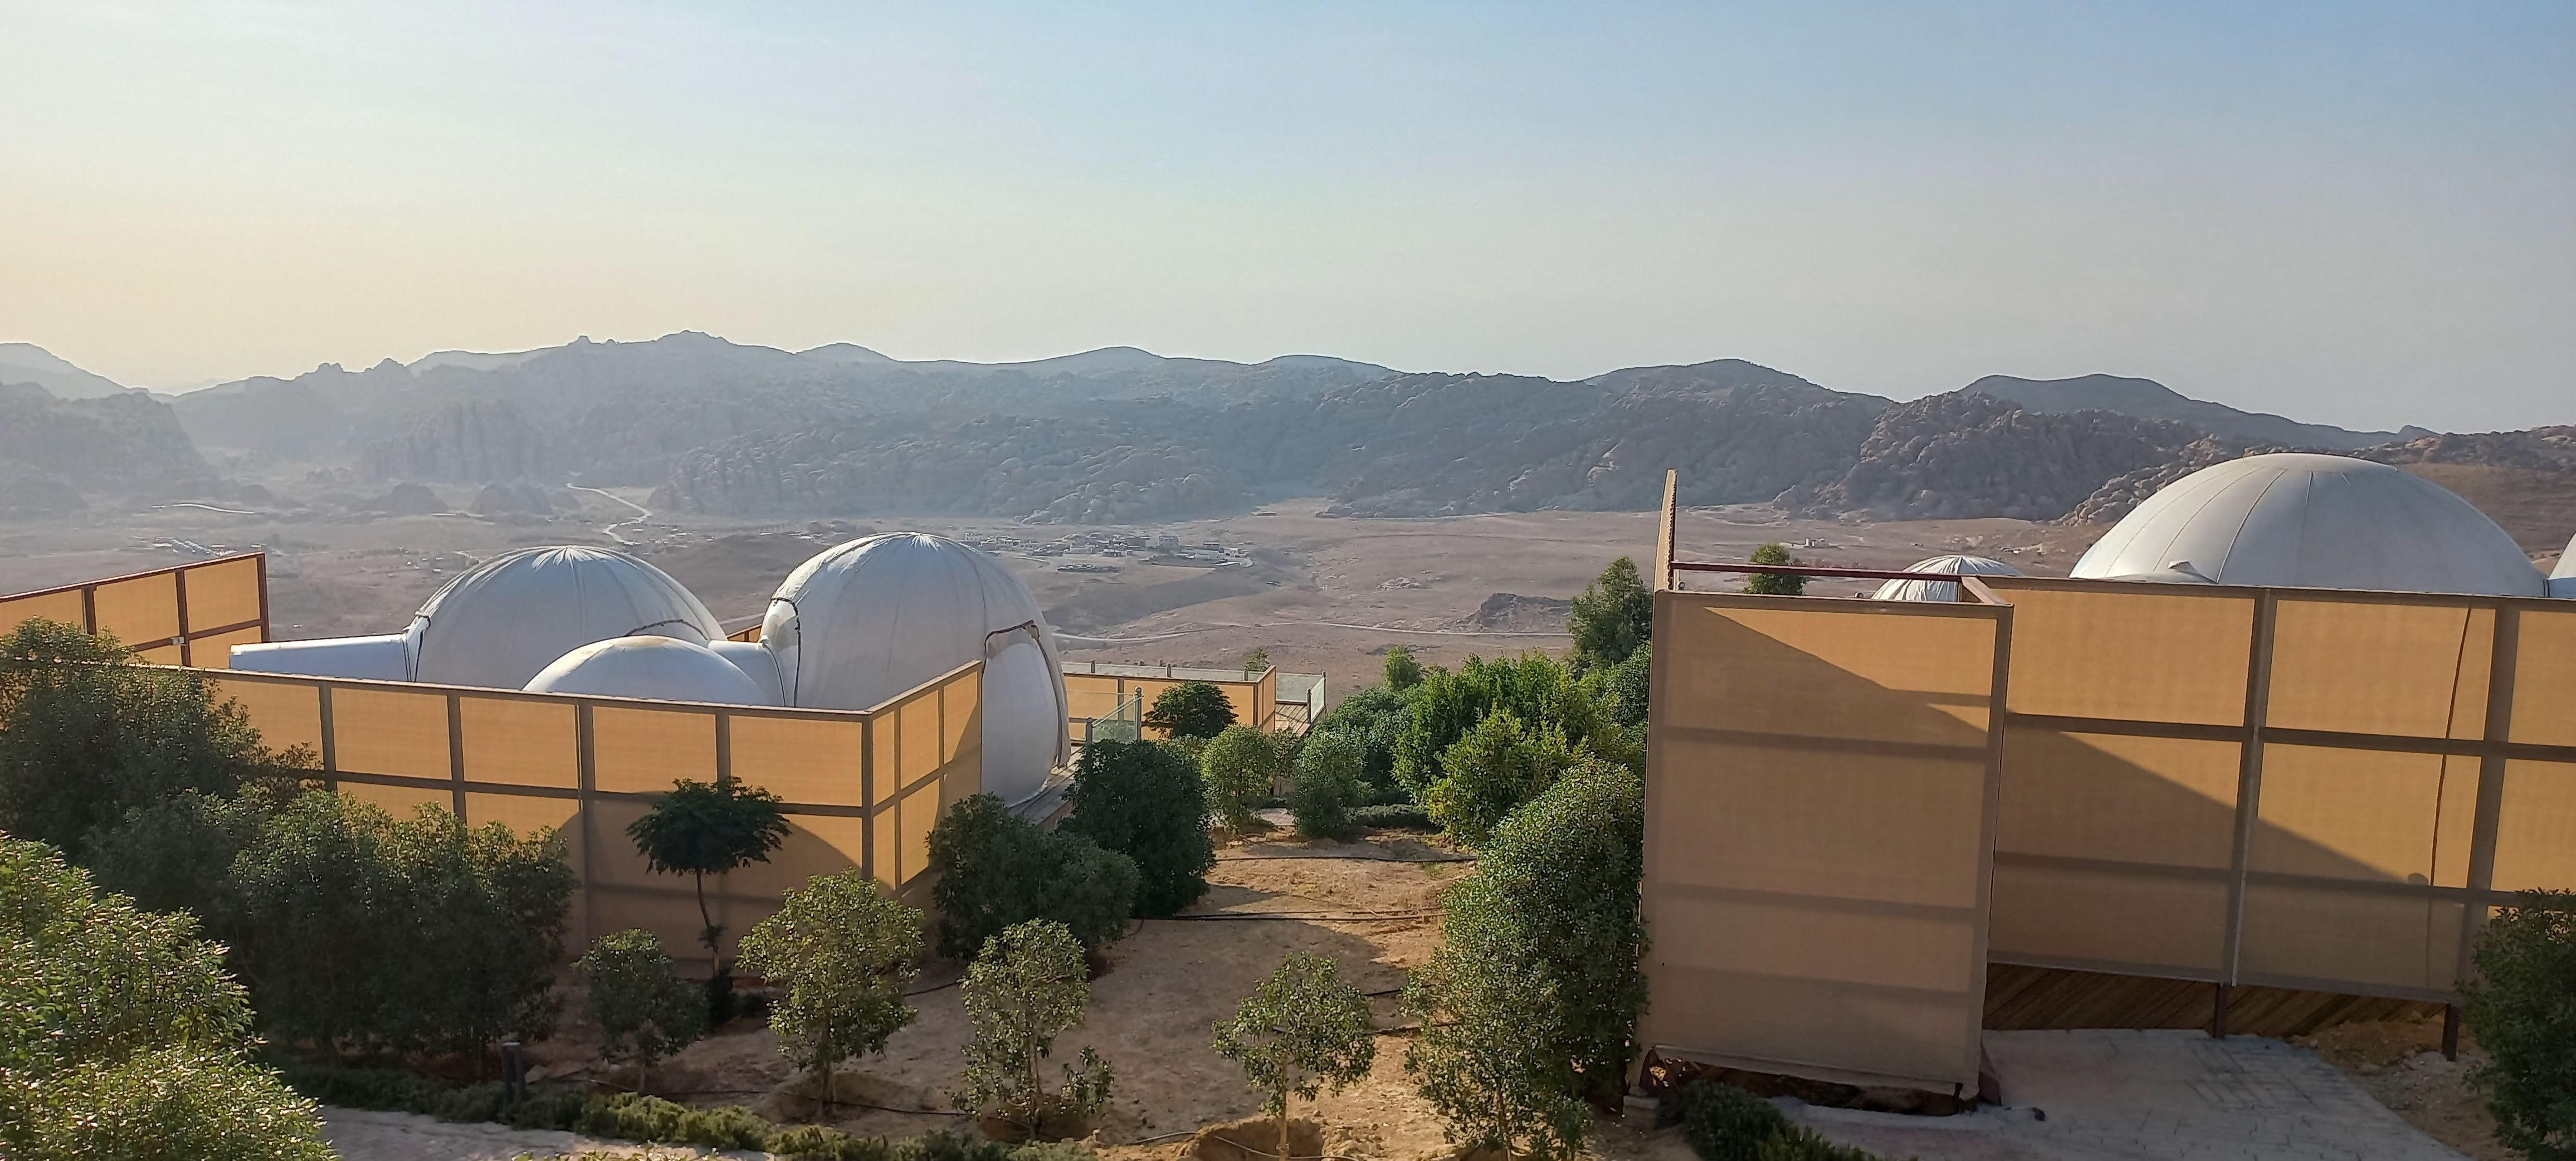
x=2353 y=212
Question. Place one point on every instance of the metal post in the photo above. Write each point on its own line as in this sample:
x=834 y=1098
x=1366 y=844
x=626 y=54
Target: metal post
x=514 y=1071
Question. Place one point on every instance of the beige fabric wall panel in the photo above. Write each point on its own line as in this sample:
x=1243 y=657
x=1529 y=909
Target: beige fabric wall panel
x=961 y=718
x=613 y=860
x=285 y=713
x=2358 y=814
x=2142 y=920
x=68 y=608
x=1868 y=673
x=1087 y=696
x=140 y=611
x=2152 y=801
x=399 y=801
x=215 y=650
x=520 y=741
x=2357 y=940
x=223 y=593
x=384 y=730
x=1819 y=807
x=2544 y=681
x=917 y=730
x=2536 y=830
x=802 y=760
x=646 y=750
x=916 y=814
x=524 y=813
x=2129 y=652
x=2380 y=668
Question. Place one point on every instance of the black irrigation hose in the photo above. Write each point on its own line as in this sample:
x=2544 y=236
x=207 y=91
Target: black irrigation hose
x=699 y=1092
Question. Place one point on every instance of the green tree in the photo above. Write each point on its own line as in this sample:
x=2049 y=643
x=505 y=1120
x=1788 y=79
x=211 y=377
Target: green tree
x=994 y=869
x=311 y=937
x=1192 y=709
x=1239 y=766
x=1027 y=988
x=1485 y=775
x=644 y=1010
x=845 y=950
x=1621 y=689
x=1255 y=660
x=1402 y=672
x=1538 y=689
x=88 y=734
x=1530 y=1005
x=120 y=1036
x=1144 y=800
x=2522 y=1007
x=1774 y=584
x=1301 y=1032
x=1327 y=784
x=1611 y=617
x=1378 y=715
x=709 y=828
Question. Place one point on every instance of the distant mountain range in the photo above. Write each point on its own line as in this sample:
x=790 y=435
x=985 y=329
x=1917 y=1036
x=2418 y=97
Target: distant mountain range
x=1123 y=435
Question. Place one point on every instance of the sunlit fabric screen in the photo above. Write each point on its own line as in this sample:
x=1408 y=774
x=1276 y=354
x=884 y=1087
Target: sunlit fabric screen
x=1820 y=798
x=190 y=614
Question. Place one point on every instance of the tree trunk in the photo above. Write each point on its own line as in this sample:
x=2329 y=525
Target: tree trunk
x=707 y=934
x=1284 y=1151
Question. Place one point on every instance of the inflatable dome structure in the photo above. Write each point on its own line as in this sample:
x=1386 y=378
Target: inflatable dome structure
x=2562 y=580
x=502 y=622
x=2313 y=521
x=1941 y=590
x=864 y=621
x=660 y=668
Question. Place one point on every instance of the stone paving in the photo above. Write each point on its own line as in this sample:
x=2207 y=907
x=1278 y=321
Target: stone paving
x=2148 y=1096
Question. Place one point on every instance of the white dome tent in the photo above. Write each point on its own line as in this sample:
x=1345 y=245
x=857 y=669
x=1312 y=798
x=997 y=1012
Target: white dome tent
x=867 y=620
x=659 y=668
x=2562 y=580
x=502 y=622
x=1941 y=590
x=2304 y=520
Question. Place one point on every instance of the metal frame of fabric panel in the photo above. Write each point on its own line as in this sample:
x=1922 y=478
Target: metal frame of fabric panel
x=1099 y=694
x=1821 y=797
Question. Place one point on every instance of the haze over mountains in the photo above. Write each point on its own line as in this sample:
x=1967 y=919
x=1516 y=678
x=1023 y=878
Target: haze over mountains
x=1122 y=435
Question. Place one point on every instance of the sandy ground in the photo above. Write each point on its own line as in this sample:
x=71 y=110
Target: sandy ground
x=2400 y=1063
x=1152 y=1014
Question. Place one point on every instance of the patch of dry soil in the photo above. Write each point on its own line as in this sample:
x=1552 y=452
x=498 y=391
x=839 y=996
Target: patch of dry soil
x=1152 y=1014
x=2399 y=1062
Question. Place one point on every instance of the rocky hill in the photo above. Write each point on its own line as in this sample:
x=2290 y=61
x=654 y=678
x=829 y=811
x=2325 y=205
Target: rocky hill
x=29 y=363
x=2148 y=399
x=59 y=455
x=1968 y=454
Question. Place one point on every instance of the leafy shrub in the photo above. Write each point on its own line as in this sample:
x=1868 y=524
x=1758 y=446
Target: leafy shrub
x=824 y=1143
x=845 y=950
x=1377 y=715
x=951 y=1145
x=1611 y=617
x=548 y=1108
x=120 y=1035
x=632 y=1116
x=2522 y=1007
x=87 y=734
x=1536 y=688
x=1726 y=1123
x=1028 y=987
x=1238 y=768
x=709 y=828
x=1621 y=688
x=1492 y=770
x=1145 y=801
x=996 y=869
x=644 y=1010
x=1299 y=1033
x=422 y=935
x=1401 y=671
x=1774 y=584
x=1192 y=709
x=1327 y=784
x=1530 y=1005
x=1394 y=816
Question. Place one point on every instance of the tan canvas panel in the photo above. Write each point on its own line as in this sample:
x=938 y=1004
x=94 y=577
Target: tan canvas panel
x=2159 y=801
x=399 y=801
x=141 y=611
x=673 y=919
x=2146 y=919
x=1876 y=674
x=646 y=750
x=919 y=811
x=816 y=844
x=1774 y=1025
x=223 y=593
x=613 y=859
x=2353 y=814
x=2126 y=653
x=2373 y=667
x=215 y=650
x=916 y=724
x=1085 y=695
x=520 y=741
x=64 y=607
x=802 y=759
x=2536 y=827
x=888 y=845
x=286 y=713
x=961 y=718
x=2360 y=941
x=2544 y=678
x=1819 y=824
x=377 y=730
x=523 y=813
x=161 y=655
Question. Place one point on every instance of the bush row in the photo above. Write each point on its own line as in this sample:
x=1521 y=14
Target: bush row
x=651 y=1120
